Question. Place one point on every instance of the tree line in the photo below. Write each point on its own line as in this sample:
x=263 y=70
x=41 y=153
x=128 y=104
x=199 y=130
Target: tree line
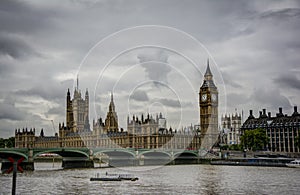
x=7 y=143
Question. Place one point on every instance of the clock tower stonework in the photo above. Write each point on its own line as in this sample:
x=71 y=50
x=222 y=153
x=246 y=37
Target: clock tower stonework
x=208 y=102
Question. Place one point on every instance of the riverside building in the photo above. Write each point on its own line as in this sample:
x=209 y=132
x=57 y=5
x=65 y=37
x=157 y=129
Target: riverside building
x=231 y=127
x=281 y=129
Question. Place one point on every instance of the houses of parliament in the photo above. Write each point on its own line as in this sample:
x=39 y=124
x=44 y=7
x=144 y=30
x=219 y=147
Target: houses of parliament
x=145 y=131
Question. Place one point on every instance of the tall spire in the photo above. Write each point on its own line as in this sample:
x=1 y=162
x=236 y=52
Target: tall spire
x=208 y=72
x=208 y=77
x=111 y=104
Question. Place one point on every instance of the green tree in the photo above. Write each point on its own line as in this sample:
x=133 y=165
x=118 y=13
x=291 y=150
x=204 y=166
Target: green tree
x=224 y=147
x=254 y=139
x=2 y=143
x=235 y=147
x=9 y=143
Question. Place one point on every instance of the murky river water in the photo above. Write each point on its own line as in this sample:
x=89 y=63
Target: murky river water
x=179 y=179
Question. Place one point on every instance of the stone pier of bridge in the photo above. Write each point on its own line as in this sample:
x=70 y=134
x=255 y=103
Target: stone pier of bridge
x=72 y=157
x=27 y=164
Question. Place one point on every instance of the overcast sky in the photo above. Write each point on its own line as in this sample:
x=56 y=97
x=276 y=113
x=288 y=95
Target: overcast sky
x=151 y=54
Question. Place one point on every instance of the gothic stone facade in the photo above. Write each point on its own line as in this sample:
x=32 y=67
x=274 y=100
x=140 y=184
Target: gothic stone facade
x=77 y=111
x=231 y=127
x=145 y=132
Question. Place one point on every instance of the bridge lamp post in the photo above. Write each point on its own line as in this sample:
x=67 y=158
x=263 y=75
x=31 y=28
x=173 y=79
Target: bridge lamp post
x=221 y=146
x=100 y=161
x=136 y=160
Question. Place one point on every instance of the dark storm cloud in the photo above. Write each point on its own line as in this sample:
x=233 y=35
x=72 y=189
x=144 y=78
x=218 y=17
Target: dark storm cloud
x=272 y=28
x=9 y=111
x=270 y=98
x=15 y=47
x=56 y=110
x=156 y=65
x=5 y=67
x=236 y=99
x=169 y=102
x=24 y=17
x=229 y=80
x=281 y=14
x=288 y=81
x=139 y=95
x=50 y=25
x=49 y=92
x=142 y=96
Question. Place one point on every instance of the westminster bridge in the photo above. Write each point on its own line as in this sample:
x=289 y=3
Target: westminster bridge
x=84 y=157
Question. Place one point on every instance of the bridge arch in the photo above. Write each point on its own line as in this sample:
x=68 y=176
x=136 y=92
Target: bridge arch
x=109 y=152
x=118 y=157
x=64 y=152
x=186 y=153
x=13 y=154
x=186 y=157
x=161 y=153
x=155 y=157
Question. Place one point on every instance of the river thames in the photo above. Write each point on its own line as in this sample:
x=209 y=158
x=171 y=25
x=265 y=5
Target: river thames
x=178 y=179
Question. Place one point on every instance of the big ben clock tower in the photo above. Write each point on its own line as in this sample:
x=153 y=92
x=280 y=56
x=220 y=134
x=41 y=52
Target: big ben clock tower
x=208 y=102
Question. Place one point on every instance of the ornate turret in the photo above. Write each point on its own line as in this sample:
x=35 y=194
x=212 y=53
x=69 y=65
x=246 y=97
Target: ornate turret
x=42 y=133
x=69 y=111
x=86 y=113
x=86 y=94
x=111 y=104
x=111 y=121
x=68 y=94
x=295 y=111
x=208 y=77
x=77 y=110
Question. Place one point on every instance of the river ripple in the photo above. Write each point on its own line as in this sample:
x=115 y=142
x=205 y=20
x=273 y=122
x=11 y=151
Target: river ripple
x=179 y=179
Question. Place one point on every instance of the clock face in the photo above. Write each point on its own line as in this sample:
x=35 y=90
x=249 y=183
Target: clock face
x=214 y=97
x=204 y=97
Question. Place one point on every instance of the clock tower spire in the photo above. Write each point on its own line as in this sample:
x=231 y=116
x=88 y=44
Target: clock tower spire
x=208 y=102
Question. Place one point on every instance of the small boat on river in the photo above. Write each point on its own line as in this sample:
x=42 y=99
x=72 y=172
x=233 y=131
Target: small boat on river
x=294 y=164
x=114 y=177
x=128 y=177
x=105 y=179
